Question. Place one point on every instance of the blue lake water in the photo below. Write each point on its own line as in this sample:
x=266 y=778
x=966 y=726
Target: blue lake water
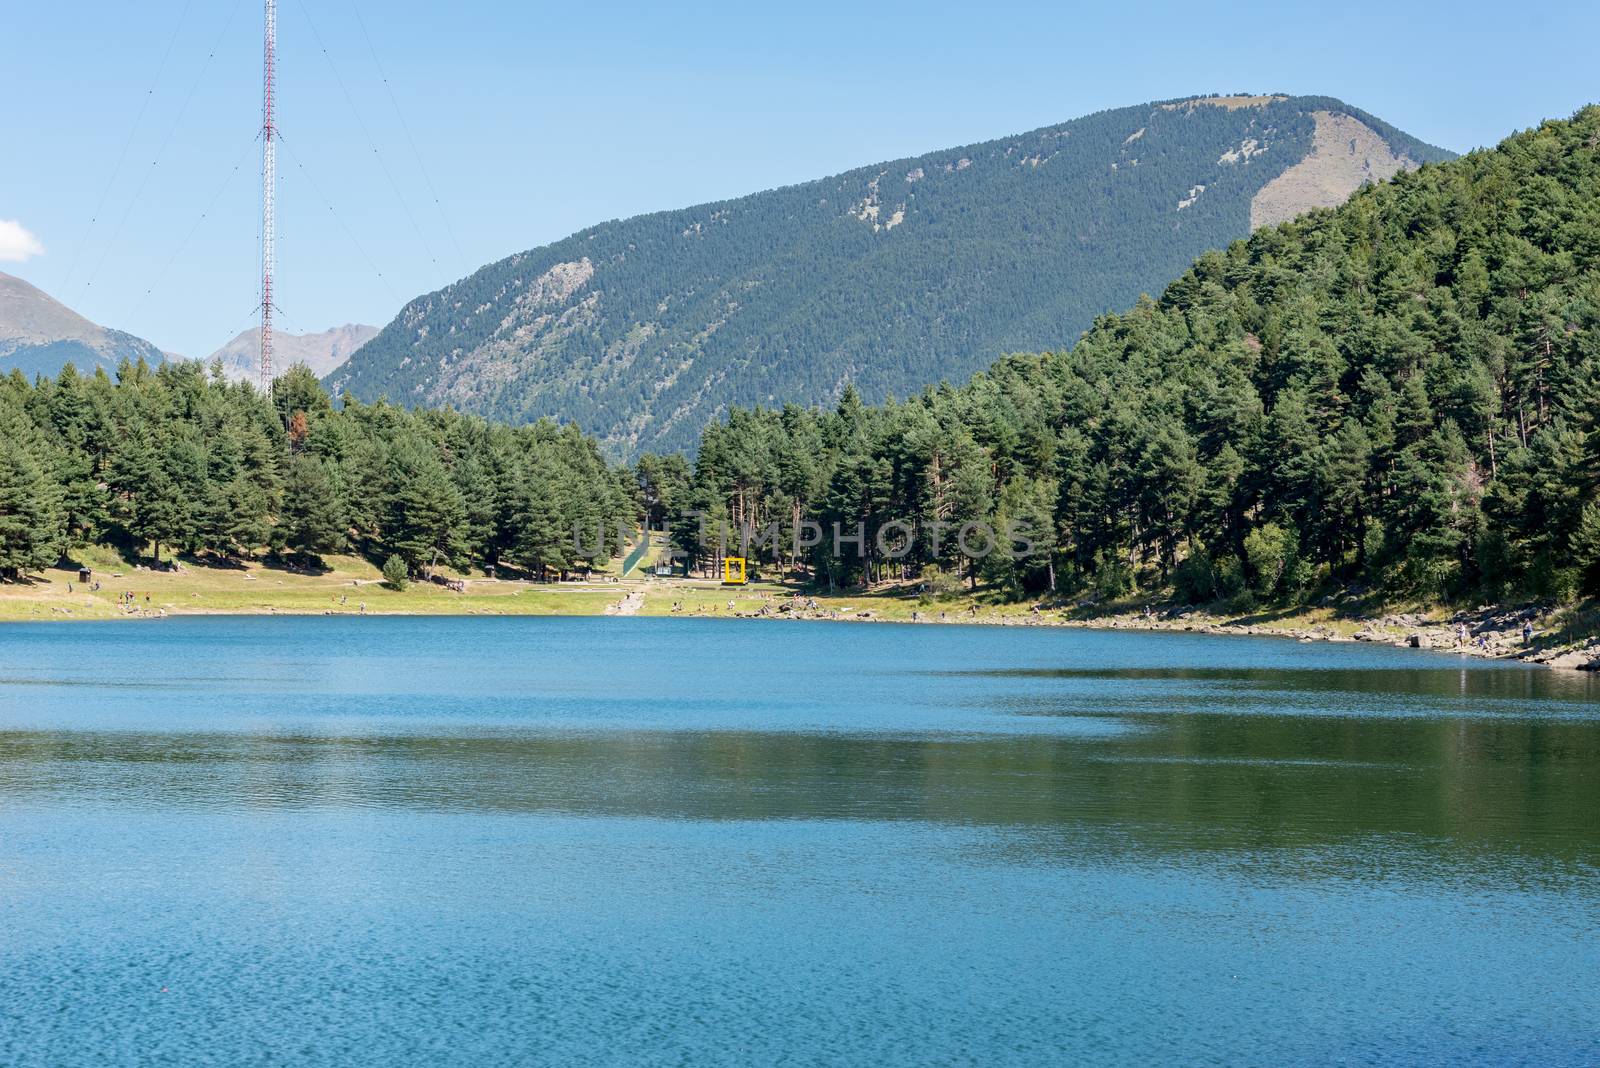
x=394 y=841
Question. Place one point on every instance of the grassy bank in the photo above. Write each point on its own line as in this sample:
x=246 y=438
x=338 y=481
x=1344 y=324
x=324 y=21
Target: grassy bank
x=1565 y=636
x=349 y=586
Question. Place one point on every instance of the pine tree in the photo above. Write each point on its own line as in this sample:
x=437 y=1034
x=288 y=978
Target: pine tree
x=1340 y=521
x=395 y=573
x=32 y=532
x=662 y=482
x=177 y=510
x=312 y=521
x=1171 y=477
x=423 y=511
x=540 y=541
x=297 y=390
x=1586 y=547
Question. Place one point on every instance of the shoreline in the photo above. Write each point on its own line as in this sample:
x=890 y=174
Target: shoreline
x=1501 y=643
x=350 y=586
x=1426 y=637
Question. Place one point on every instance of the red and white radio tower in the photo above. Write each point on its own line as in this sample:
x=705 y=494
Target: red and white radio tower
x=269 y=181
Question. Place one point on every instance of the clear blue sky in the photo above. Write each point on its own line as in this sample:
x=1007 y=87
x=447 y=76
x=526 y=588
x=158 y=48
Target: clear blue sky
x=536 y=119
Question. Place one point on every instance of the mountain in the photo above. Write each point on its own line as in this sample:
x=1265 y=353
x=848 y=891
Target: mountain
x=39 y=334
x=887 y=277
x=323 y=352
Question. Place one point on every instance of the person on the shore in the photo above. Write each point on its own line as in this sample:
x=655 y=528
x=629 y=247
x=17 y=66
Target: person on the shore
x=1527 y=632
x=1461 y=635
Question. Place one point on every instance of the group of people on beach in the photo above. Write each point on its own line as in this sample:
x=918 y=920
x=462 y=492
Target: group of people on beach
x=128 y=601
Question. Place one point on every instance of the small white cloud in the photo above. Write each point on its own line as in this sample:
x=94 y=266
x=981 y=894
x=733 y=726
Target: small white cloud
x=16 y=244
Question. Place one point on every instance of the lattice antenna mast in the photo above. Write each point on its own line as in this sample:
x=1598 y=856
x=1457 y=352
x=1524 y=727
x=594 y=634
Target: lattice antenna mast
x=269 y=182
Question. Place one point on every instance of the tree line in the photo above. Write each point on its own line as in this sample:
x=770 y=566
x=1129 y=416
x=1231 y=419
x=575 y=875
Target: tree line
x=178 y=459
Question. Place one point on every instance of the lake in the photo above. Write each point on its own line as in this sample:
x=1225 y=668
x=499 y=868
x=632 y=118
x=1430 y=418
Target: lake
x=395 y=841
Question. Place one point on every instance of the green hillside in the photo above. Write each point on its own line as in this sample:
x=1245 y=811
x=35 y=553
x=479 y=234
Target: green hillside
x=887 y=278
x=1401 y=395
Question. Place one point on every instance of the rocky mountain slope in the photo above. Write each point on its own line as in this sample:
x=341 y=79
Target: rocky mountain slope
x=39 y=334
x=887 y=277
x=324 y=352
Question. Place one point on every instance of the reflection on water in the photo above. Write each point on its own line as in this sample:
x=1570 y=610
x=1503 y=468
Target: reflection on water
x=602 y=841
x=1203 y=781
x=1465 y=679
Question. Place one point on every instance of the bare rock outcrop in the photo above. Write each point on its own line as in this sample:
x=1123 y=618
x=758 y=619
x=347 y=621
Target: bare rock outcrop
x=1346 y=154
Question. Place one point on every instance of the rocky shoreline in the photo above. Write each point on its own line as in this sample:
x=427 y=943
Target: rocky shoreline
x=1491 y=633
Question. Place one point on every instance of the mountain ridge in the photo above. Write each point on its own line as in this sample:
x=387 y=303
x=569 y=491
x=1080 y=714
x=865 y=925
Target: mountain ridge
x=887 y=277
x=39 y=334
x=324 y=351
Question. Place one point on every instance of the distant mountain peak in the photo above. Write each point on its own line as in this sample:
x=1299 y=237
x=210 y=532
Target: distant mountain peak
x=324 y=352
x=39 y=334
x=888 y=277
